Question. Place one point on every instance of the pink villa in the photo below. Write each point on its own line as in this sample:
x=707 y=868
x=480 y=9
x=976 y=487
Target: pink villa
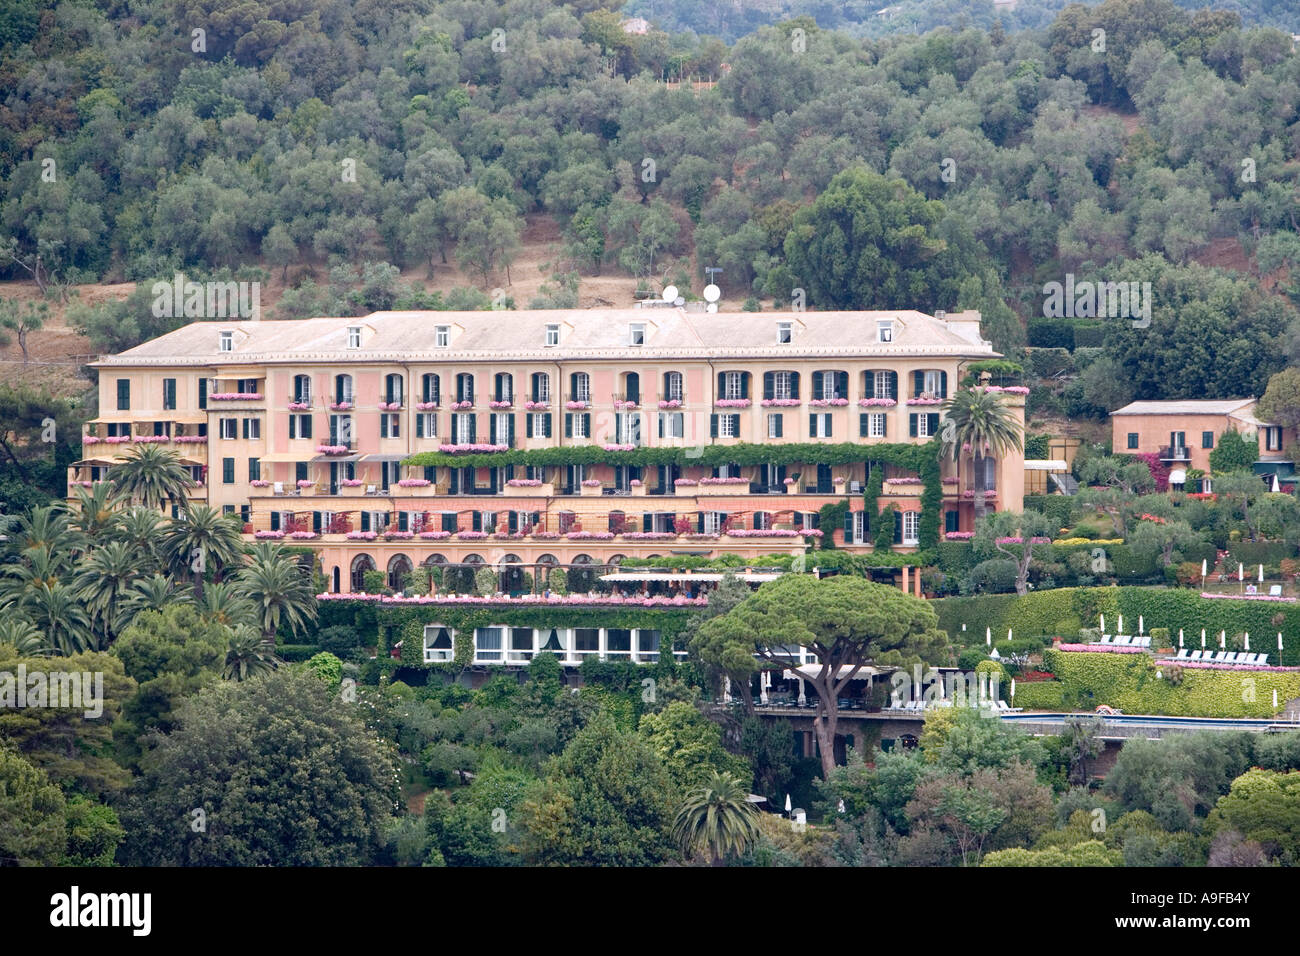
x=563 y=438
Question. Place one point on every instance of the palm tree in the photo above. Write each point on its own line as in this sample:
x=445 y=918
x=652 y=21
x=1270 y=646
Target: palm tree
x=38 y=567
x=221 y=603
x=248 y=654
x=56 y=611
x=104 y=582
x=280 y=589
x=983 y=425
x=154 y=593
x=202 y=538
x=22 y=635
x=717 y=820
x=47 y=527
x=152 y=475
x=141 y=529
x=96 y=509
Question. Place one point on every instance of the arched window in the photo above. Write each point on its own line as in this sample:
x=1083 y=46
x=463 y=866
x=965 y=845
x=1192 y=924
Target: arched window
x=565 y=520
x=674 y=388
x=302 y=389
x=830 y=384
x=393 y=389
x=430 y=389
x=503 y=387
x=880 y=383
x=579 y=387
x=930 y=383
x=465 y=387
x=342 y=388
x=360 y=565
x=632 y=387
x=541 y=387
x=617 y=522
x=399 y=566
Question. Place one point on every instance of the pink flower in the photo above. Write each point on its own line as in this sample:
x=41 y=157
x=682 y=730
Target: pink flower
x=780 y=402
x=828 y=402
x=505 y=404
x=877 y=402
x=536 y=406
x=733 y=403
x=389 y=406
x=959 y=535
x=577 y=406
x=625 y=404
x=351 y=482
x=332 y=449
x=268 y=534
x=236 y=396
x=670 y=403
x=425 y=406
x=298 y=406
x=362 y=535
x=590 y=483
x=435 y=535
x=623 y=447
x=476 y=448
x=259 y=483
x=524 y=483
x=685 y=481
x=414 y=483
x=724 y=481
x=461 y=406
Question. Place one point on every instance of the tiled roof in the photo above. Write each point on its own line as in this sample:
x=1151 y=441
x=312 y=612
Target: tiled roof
x=591 y=334
x=1186 y=407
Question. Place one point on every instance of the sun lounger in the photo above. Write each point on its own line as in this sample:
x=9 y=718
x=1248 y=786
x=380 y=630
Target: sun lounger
x=1105 y=639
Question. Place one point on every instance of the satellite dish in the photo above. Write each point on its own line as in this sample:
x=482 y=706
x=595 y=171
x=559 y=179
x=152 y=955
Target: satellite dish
x=670 y=293
x=712 y=293
x=679 y=301
x=711 y=307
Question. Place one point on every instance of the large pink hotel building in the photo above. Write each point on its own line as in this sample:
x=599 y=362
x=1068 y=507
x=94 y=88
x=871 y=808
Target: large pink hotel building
x=307 y=430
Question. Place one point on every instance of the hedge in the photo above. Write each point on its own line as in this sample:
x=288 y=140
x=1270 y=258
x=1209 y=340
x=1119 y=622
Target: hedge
x=1057 y=508
x=295 y=653
x=1063 y=611
x=1254 y=553
x=1039 y=695
x=1129 y=682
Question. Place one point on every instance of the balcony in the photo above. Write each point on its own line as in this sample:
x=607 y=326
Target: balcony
x=1174 y=453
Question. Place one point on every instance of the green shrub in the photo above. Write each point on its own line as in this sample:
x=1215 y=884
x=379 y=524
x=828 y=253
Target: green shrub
x=1057 y=508
x=995 y=576
x=1040 y=695
x=373 y=581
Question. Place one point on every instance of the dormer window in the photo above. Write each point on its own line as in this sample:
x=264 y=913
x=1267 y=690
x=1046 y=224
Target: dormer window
x=636 y=334
x=784 y=333
x=884 y=331
x=227 y=341
x=354 y=336
x=441 y=336
x=552 y=336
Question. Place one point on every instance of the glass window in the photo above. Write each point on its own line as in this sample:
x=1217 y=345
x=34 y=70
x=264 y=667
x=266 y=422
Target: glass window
x=733 y=385
x=911 y=527
x=354 y=336
x=442 y=336
x=885 y=331
x=552 y=336
x=784 y=332
x=728 y=426
x=1132 y=439
x=1207 y=439
x=876 y=425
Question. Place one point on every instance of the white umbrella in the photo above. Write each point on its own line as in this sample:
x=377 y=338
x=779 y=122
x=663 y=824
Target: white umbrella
x=1261 y=574
x=1121 y=625
x=1241 y=572
x=1204 y=569
x=1279 y=642
x=1202 y=638
x=1103 y=623
x=1013 y=688
x=1223 y=640
x=1180 y=637
x=788 y=804
x=1247 y=640
x=988 y=636
x=1008 y=634
x=1140 y=624
x=1275 y=698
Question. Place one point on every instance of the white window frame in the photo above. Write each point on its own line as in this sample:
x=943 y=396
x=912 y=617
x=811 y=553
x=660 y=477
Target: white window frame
x=772 y=420
x=636 y=334
x=676 y=387
x=876 y=424
x=830 y=385
x=713 y=521
x=552 y=336
x=884 y=332
x=392 y=425
x=354 y=336
x=583 y=387
x=880 y=386
x=233 y=429
x=579 y=425
x=733 y=384
x=726 y=423
x=923 y=426
x=911 y=527
x=1273 y=438
x=502 y=427
x=781 y=385
x=303 y=396
x=463 y=420
x=430 y=424
x=628 y=428
x=441 y=336
x=544 y=387
x=822 y=425
x=227 y=342
x=434 y=655
x=931 y=382
x=784 y=333
x=254 y=429
x=673 y=424
x=859 y=527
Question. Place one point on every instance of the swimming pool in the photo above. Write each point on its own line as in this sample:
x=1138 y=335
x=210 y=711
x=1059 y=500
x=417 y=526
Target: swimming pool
x=1151 y=720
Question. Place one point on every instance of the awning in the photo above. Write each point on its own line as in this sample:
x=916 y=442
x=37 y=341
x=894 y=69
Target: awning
x=1178 y=476
x=96 y=461
x=1046 y=464
x=667 y=576
x=185 y=419
x=117 y=420
x=339 y=458
x=193 y=461
x=284 y=456
x=814 y=670
x=402 y=456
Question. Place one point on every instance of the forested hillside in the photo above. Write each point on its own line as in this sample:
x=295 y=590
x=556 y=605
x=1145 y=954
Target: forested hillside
x=329 y=143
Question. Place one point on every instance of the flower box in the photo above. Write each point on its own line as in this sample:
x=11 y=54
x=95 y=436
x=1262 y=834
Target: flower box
x=623 y=447
x=959 y=535
x=425 y=406
x=151 y=439
x=781 y=403
x=590 y=535
x=461 y=406
x=390 y=406
x=414 y=483
x=621 y=405
x=235 y=397
x=268 y=534
x=398 y=535
x=298 y=406
x=638 y=489
x=471 y=535
x=435 y=535
x=188 y=439
x=670 y=403
x=546 y=535
x=577 y=406
x=361 y=535
x=260 y=483
x=538 y=490
x=536 y=406
x=351 y=482
x=828 y=402
x=733 y=403
x=477 y=448
x=303 y=535
x=500 y=404
x=591 y=491
x=877 y=402
x=924 y=400
x=332 y=449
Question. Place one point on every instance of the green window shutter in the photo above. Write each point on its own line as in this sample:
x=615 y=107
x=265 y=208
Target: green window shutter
x=918 y=383
x=884 y=421
x=934 y=424
x=842 y=384
x=911 y=425
x=830 y=425
x=893 y=385
x=568 y=424
x=862 y=425
x=510 y=431
x=769 y=385
x=546 y=426
x=780 y=426
x=898 y=527
x=722 y=379
x=812 y=424
x=735 y=425
x=794 y=384
x=817 y=384
x=473 y=429
x=744 y=385
x=713 y=426
x=943 y=384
